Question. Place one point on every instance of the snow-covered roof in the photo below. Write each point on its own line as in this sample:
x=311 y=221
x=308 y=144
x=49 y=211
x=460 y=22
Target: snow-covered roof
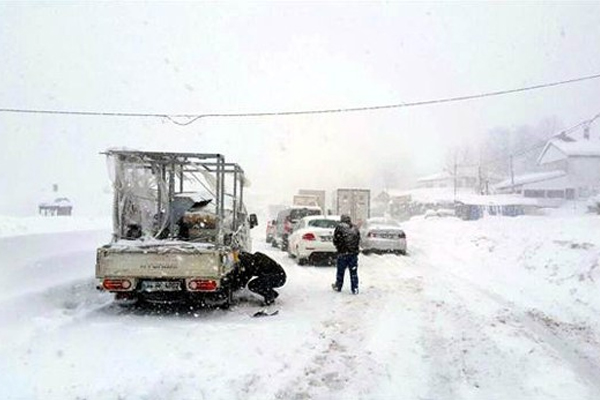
x=428 y=195
x=529 y=178
x=435 y=177
x=579 y=148
x=57 y=202
x=495 y=200
x=446 y=195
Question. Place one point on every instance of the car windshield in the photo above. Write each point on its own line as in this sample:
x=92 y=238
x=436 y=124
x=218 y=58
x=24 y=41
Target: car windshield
x=296 y=214
x=323 y=223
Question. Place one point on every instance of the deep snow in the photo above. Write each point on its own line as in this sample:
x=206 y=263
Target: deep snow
x=492 y=309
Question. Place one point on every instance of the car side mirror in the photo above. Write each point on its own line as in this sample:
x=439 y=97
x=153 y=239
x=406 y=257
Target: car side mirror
x=253 y=221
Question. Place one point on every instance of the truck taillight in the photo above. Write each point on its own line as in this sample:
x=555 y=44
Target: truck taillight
x=116 y=284
x=308 y=236
x=202 y=285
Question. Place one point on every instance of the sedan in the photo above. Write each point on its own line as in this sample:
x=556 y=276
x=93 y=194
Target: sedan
x=312 y=239
x=382 y=235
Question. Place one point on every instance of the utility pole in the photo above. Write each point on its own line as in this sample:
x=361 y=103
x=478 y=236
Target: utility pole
x=512 y=175
x=480 y=183
x=455 y=171
x=586 y=131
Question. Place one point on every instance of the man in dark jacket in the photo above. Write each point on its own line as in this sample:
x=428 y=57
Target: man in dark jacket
x=267 y=275
x=346 y=239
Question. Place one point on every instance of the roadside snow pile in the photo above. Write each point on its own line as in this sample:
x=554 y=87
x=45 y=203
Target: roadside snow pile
x=14 y=226
x=540 y=263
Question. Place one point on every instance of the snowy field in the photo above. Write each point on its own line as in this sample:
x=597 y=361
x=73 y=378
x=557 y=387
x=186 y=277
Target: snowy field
x=499 y=308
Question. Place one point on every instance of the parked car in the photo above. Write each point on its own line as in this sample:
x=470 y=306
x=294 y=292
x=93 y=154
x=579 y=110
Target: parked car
x=286 y=220
x=312 y=239
x=382 y=235
x=271 y=227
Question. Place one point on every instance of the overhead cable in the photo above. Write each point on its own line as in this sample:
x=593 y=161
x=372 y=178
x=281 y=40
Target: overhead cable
x=191 y=118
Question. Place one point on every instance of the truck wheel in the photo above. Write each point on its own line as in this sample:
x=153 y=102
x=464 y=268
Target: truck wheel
x=126 y=300
x=227 y=300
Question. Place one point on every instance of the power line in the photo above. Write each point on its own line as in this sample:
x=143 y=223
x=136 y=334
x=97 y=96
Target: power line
x=194 y=117
x=545 y=141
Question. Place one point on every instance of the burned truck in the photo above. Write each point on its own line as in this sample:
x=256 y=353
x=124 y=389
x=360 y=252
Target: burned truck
x=179 y=222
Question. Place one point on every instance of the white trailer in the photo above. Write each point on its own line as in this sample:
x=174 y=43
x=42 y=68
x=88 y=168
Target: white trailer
x=353 y=202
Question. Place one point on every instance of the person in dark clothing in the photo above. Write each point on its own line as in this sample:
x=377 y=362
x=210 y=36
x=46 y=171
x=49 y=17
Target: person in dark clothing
x=261 y=274
x=346 y=239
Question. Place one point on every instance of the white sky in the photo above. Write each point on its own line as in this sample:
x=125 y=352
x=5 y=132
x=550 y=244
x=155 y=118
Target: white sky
x=210 y=57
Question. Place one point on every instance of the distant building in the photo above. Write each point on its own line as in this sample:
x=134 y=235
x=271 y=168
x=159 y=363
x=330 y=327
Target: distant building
x=468 y=177
x=59 y=206
x=447 y=180
x=465 y=204
x=569 y=170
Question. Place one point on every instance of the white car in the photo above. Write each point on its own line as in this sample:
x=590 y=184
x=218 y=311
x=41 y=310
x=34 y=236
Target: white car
x=312 y=239
x=382 y=235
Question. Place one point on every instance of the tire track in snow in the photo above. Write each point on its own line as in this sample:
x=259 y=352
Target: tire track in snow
x=531 y=323
x=341 y=362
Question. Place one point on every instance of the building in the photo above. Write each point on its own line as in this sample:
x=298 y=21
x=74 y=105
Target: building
x=567 y=170
x=60 y=206
x=57 y=205
x=464 y=179
x=471 y=178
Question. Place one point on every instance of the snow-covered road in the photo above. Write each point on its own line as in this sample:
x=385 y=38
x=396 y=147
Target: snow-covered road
x=495 y=309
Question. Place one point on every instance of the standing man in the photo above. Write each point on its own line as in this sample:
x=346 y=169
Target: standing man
x=267 y=274
x=346 y=239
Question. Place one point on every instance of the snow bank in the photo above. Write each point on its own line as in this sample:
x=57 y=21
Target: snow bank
x=548 y=263
x=15 y=226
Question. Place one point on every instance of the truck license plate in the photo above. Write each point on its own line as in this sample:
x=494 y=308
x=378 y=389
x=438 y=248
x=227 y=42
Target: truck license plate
x=161 y=286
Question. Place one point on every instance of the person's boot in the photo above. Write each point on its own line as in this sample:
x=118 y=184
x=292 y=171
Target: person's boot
x=335 y=287
x=271 y=298
x=269 y=301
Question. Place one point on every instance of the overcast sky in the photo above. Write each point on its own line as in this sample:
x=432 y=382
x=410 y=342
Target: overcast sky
x=215 y=58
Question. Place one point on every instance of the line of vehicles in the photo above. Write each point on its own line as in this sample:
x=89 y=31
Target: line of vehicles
x=179 y=224
x=305 y=231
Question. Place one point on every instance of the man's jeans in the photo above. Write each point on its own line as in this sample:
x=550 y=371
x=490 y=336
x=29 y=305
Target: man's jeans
x=349 y=261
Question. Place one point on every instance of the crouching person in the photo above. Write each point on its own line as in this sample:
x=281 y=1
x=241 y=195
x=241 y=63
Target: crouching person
x=261 y=274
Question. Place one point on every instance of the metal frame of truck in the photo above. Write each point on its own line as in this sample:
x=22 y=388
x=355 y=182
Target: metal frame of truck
x=159 y=265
